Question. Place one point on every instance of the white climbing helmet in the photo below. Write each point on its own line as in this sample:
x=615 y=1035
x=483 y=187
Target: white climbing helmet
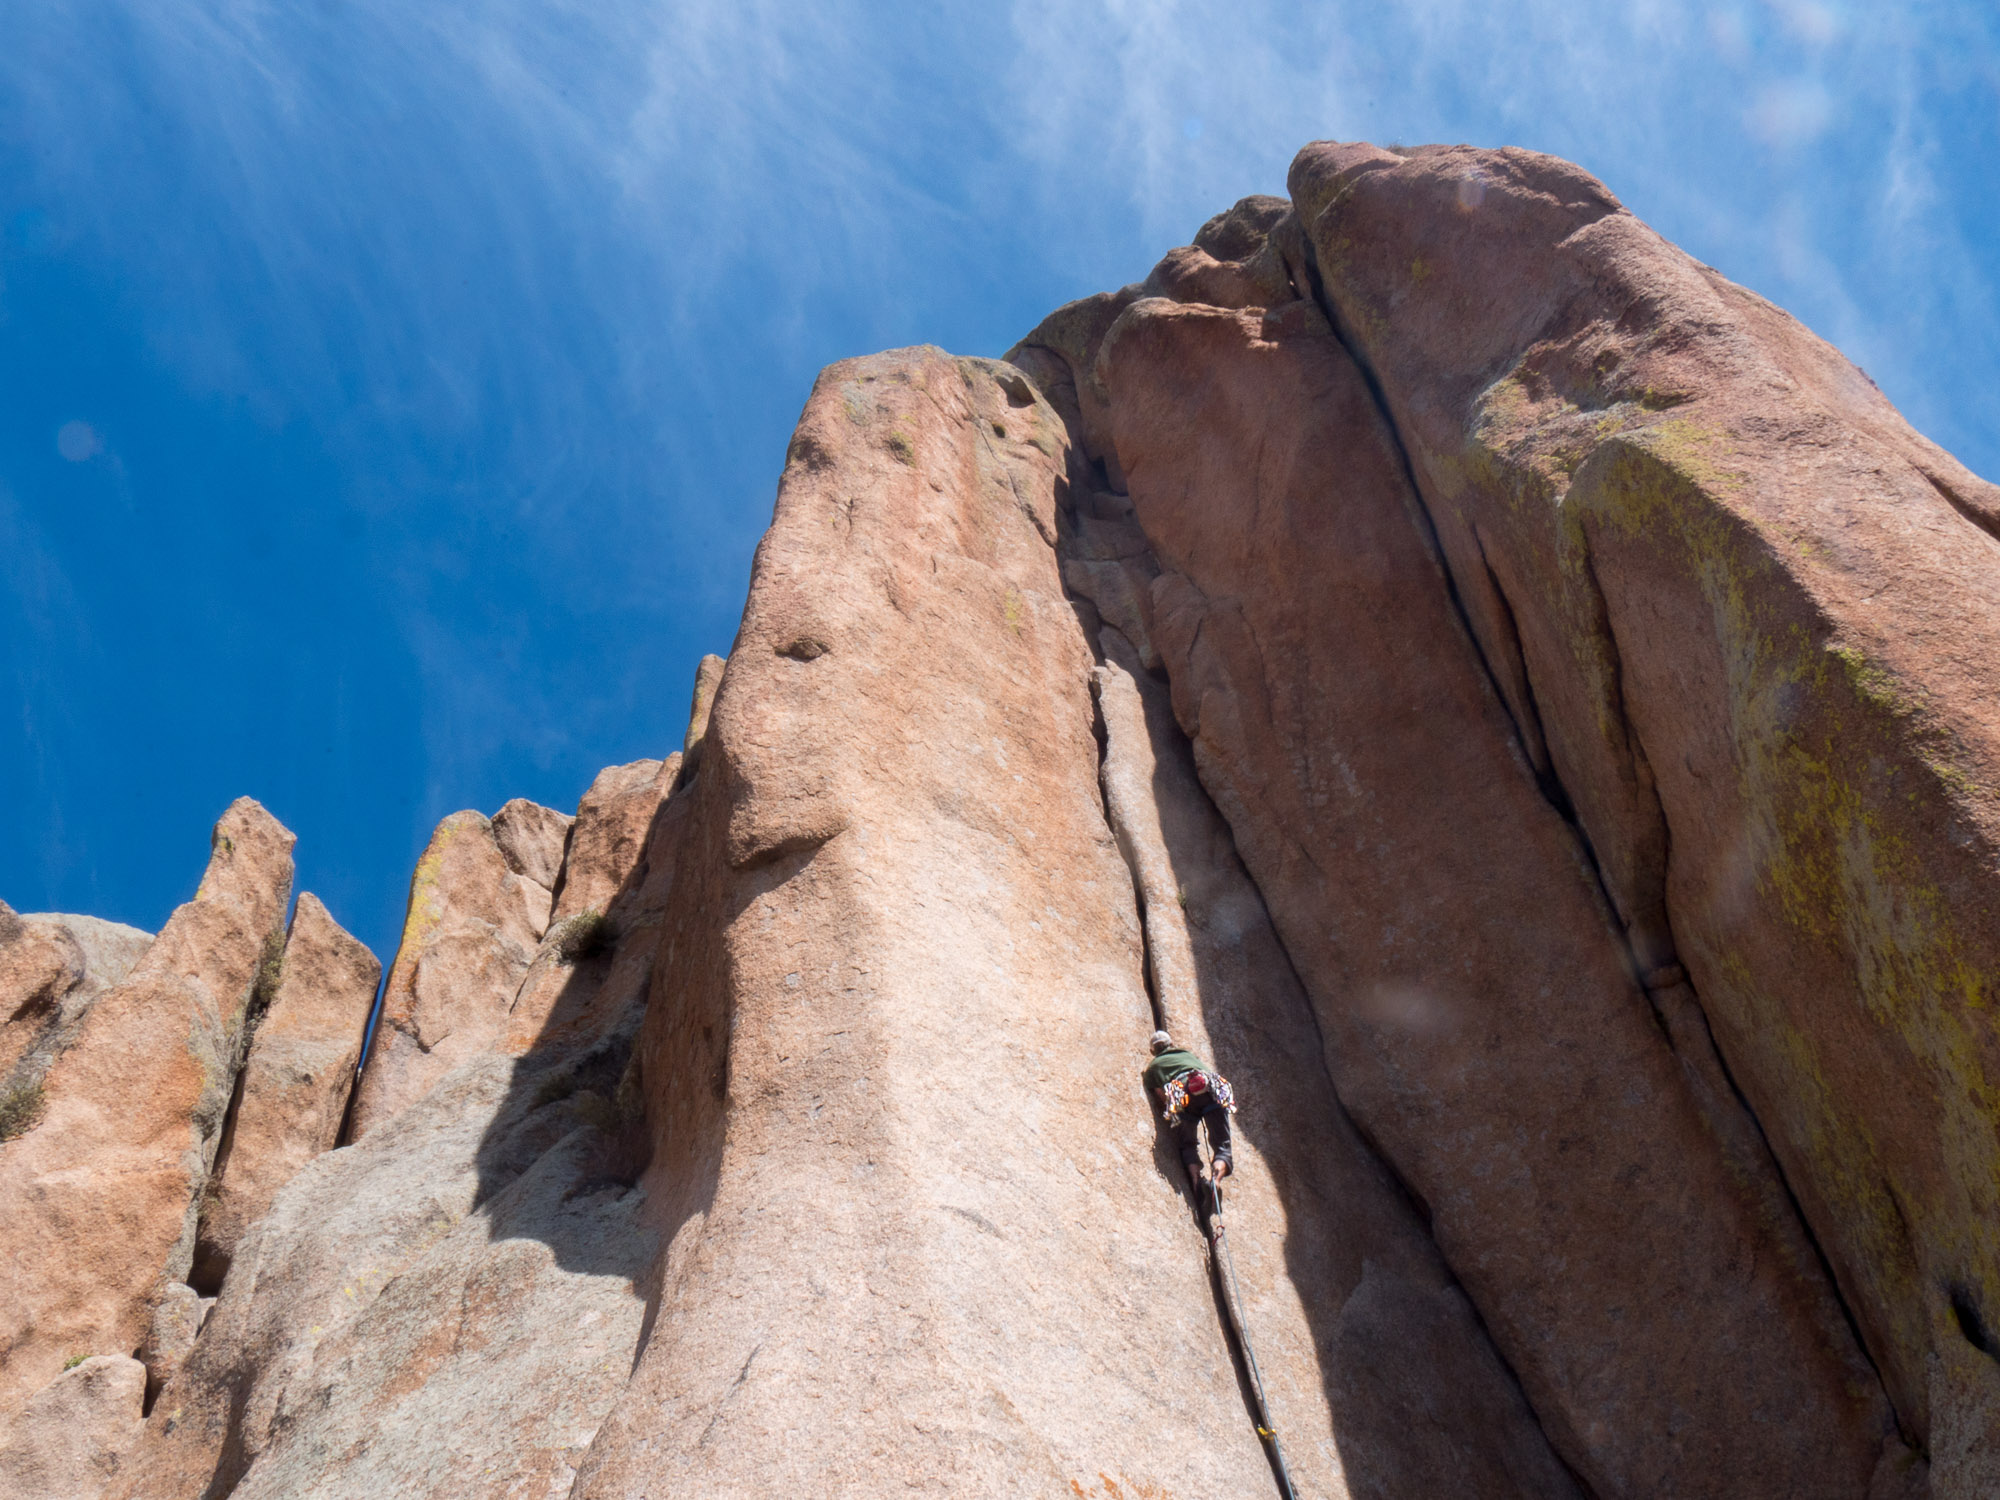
x=1161 y=1041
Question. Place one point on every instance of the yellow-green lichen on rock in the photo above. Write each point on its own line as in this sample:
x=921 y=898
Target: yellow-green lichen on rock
x=1762 y=651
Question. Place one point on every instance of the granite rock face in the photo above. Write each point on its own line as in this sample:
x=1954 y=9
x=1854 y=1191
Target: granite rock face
x=913 y=1205
x=450 y=1305
x=1482 y=1020
x=471 y=932
x=293 y=1093
x=1519 y=706
x=71 y=1440
x=103 y=1191
x=533 y=839
x=1379 y=1374
x=1756 y=620
x=53 y=968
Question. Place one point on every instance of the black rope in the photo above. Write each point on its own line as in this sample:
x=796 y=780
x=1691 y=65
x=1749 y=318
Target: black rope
x=1232 y=1302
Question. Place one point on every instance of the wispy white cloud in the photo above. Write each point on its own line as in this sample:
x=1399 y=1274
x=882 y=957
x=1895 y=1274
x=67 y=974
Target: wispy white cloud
x=547 y=279
x=1831 y=156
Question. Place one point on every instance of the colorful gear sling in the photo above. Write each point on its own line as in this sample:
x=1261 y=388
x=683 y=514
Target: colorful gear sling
x=1178 y=1097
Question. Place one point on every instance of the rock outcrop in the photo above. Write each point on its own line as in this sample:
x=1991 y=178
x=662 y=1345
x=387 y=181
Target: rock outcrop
x=1481 y=1016
x=451 y=1304
x=104 y=1190
x=1757 y=621
x=1519 y=705
x=71 y=1439
x=292 y=1096
x=473 y=925
x=53 y=968
x=533 y=840
x=907 y=1176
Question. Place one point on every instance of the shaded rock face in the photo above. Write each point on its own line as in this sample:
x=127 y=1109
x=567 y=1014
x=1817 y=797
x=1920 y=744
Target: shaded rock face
x=1517 y=705
x=1379 y=1374
x=445 y=1308
x=103 y=1191
x=178 y=1313
x=612 y=823
x=1465 y=950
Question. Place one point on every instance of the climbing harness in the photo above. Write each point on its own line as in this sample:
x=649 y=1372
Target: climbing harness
x=1196 y=1088
x=1232 y=1301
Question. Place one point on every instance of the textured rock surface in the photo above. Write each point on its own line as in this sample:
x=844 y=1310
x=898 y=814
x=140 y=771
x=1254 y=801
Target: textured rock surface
x=102 y=1194
x=1517 y=703
x=450 y=1305
x=1757 y=620
x=707 y=678
x=453 y=1284
x=595 y=961
x=918 y=1224
x=1481 y=1016
x=178 y=1313
x=471 y=932
x=1380 y=1379
x=532 y=839
x=53 y=968
x=293 y=1092
x=612 y=823
x=71 y=1440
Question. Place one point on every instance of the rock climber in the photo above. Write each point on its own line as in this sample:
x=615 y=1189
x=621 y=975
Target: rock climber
x=1190 y=1092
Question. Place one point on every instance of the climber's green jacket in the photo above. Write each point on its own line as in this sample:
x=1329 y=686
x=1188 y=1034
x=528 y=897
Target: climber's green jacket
x=1169 y=1065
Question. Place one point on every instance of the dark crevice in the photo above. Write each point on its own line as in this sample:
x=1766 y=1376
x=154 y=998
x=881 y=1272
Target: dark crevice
x=345 y=1137
x=209 y=1267
x=1540 y=757
x=1958 y=502
x=1971 y=1325
x=1242 y=1360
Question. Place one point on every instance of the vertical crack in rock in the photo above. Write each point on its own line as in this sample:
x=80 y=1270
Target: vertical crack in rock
x=1379 y=1371
x=1177 y=410
x=1729 y=1112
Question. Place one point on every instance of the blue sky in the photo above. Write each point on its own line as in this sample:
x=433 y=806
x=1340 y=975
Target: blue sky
x=391 y=395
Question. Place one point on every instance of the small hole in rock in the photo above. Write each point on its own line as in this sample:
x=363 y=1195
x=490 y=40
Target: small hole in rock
x=805 y=648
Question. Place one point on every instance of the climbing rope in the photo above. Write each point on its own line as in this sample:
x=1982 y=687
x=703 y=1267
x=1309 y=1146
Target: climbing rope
x=1232 y=1302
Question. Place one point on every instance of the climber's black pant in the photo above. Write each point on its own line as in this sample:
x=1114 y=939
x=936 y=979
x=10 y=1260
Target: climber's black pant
x=1218 y=1133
